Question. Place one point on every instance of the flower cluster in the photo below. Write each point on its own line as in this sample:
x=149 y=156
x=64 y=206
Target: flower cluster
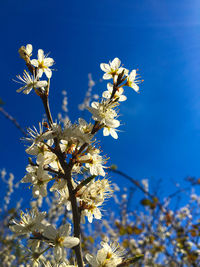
x=61 y=153
x=107 y=256
x=34 y=224
x=37 y=67
x=105 y=112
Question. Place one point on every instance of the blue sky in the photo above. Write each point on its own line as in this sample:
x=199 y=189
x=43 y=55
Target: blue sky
x=160 y=135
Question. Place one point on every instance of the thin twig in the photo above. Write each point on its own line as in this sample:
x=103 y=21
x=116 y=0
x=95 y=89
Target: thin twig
x=67 y=176
x=137 y=184
x=13 y=120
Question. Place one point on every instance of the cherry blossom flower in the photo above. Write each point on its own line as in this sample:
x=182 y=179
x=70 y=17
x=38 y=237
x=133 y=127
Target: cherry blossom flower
x=91 y=198
x=78 y=133
x=132 y=80
x=26 y=52
x=41 y=150
x=43 y=63
x=108 y=256
x=60 y=239
x=30 y=82
x=111 y=69
x=90 y=212
x=110 y=131
x=104 y=113
x=39 y=179
x=28 y=223
x=118 y=94
x=94 y=163
x=29 y=49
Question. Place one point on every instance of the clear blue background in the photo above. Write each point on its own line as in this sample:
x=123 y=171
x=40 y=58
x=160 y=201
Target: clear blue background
x=161 y=125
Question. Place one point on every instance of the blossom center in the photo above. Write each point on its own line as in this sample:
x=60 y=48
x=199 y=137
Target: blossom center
x=41 y=65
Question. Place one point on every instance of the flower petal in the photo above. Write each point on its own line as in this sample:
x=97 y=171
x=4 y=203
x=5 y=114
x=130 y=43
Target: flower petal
x=115 y=63
x=34 y=62
x=40 y=55
x=48 y=73
x=106 y=94
x=105 y=67
x=106 y=131
x=114 y=134
x=48 y=61
x=70 y=242
x=29 y=49
x=107 y=76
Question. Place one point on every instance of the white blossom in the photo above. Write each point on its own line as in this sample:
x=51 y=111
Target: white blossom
x=104 y=113
x=91 y=198
x=28 y=222
x=118 y=94
x=43 y=63
x=78 y=133
x=30 y=82
x=43 y=153
x=39 y=179
x=108 y=256
x=28 y=49
x=90 y=212
x=111 y=69
x=132 y=80
x=110 y=131
x=60 y=239
x=94 y=162
x=26 y=52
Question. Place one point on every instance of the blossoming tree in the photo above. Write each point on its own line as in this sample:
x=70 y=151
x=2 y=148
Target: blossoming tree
x=65 y=158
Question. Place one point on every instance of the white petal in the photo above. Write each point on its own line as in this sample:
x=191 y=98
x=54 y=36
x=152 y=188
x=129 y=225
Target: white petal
x=48 y=61
x=106 y=131
x=95 y=105
x=114 y=134
x=101 y=255
x=90 y=217
x=48 y=73
x=40 y=72
x=40 y=84
x=135 y=87
x=110 y=87
x=132 y=75
x=21 y=89
x=27 y=90
x=97 y=214
x=92 y=260
x=112 y=123
x=107 y=76
x=58 y=253
x=65 y=230
x=34 y=62
x=40 y=55
x=106 y=94
x=122 y=98
x=70 y=242
x=29 y=49
x=105 y=67
x=50 y=232
x=115 y=63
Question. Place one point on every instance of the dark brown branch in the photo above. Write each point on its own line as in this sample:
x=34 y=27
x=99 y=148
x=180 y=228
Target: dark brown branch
x=67 y=176
x=45 y=101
